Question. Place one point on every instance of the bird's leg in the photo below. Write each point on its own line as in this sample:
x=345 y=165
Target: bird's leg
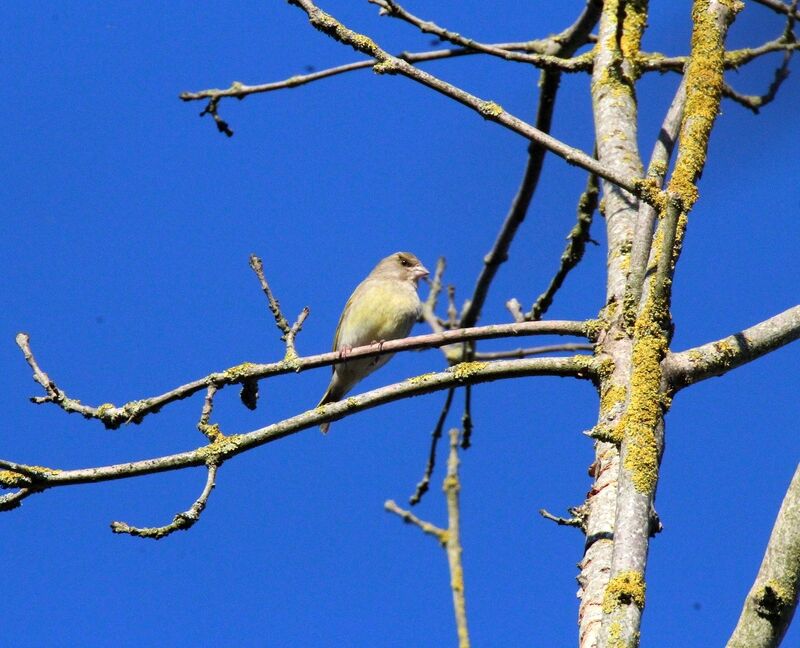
x=344 y=351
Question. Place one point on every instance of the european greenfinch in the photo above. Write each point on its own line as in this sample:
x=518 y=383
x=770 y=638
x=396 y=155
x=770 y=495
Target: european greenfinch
x=383 y=307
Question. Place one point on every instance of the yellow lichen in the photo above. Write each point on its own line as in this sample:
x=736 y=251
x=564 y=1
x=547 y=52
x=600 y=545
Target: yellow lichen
x=704 y=82
x=422 y=378
x=593 y=328
x=612 y=397
x=239 y=371
x=11 y=479
x=623 y=589
x=649 y=190
x=490 y=109
x=364 y=43
x=220 y=448
x=727 y=351
x=645 y=404
x=466 y=369
x=633 y=25
x=103 y=409
x=212 y=431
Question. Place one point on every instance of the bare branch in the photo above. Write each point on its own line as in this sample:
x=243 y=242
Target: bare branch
x=558 y=62
x=289 y=332
x=134 y=411
x=719 y=357
x=781 y=7
x=10 y=501
x=489 y=110
x=532 y=351
x=409 y=518
x=449 y=538
x=181 y=522
x=239 y=90
x=757 y=102
x=645 y=221
x=771 y=602
x=578 y=519
x=424 y=483
x=573 y=253
x=452 y=487
x=225 y=447
x=549 y=81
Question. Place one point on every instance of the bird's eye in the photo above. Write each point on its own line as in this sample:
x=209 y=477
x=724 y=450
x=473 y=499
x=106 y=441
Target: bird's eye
x=405 y=262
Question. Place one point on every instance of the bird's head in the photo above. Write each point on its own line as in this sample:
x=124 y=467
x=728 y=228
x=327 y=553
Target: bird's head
x=402 y=266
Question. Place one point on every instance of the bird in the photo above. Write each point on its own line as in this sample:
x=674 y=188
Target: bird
x=383 y=307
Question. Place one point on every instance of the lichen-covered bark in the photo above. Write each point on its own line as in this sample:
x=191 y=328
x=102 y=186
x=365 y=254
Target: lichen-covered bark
x=641 y=428
x=615 y=114
x=771 y=603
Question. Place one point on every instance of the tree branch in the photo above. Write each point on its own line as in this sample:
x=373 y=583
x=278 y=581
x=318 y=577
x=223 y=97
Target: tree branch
x=573 y=253
x=490 y=110
x=781 y=7
x=771 y=602
x=224 y=447
x=549 y=81
x=181 y=522
x=134 y=411
x=642 y=428
x=545 y=61
x=449 y=538
x=719 y=357
x=424 y=483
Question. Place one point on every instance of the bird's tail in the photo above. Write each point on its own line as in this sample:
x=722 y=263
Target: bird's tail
x=331 y=395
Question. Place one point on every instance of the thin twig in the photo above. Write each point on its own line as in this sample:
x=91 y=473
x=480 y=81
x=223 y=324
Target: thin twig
x=532 y=351
x=424 y=483
x=452 y=487
x=573 y=253
x=515 y=308
x=289 y=333
x=578 y=519
x=450 y=538
x=466 y=419
x=10 y=501
x=394 y=10
x=409 y=518
x=212 y=432
x=239 y=90
x=781 y=7
x=181 y=522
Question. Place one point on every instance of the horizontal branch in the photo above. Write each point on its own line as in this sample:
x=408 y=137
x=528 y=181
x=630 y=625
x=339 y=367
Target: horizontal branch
x=717 y=358
x=224 y=447
x=239 y=90
x=134 y=411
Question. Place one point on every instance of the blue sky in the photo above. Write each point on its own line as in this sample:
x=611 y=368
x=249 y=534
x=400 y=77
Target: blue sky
x=128 y=222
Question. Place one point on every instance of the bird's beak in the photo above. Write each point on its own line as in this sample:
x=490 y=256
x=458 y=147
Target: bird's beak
x=420 y=272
